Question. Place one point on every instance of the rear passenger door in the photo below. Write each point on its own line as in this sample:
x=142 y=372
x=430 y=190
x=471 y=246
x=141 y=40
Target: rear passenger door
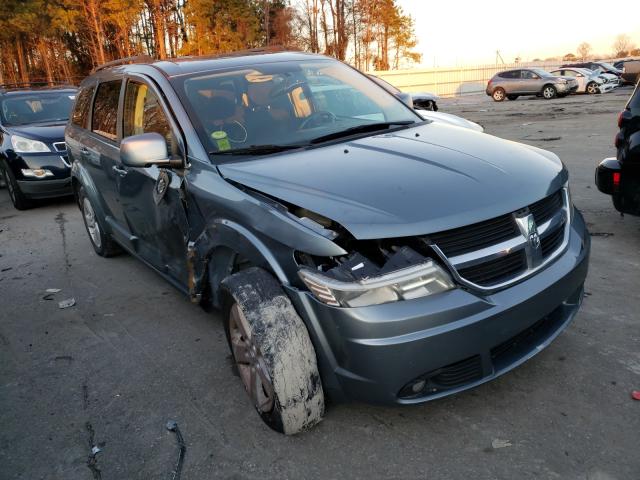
x=101 y=155
x=152 y=197
x=511 y=82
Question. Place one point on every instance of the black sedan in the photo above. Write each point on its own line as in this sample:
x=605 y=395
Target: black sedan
x=33 y=154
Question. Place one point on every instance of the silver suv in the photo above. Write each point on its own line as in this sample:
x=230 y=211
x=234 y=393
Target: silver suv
x=529 y=81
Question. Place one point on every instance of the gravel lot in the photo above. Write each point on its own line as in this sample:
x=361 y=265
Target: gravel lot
x=133 y=354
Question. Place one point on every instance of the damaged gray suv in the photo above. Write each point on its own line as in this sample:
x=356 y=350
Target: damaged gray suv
x=357 y=251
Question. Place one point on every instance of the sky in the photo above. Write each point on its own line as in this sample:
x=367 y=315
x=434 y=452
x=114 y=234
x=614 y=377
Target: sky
x=459 y=32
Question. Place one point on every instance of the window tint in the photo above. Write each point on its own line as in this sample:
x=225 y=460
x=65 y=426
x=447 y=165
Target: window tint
x=529 y=75
x=80 y=115
x=510 y=74
x=143 y=113
x=105 y=109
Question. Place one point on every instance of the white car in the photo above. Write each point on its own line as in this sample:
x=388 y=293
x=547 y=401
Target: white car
x=589 y=81
x=450 y=119
x=609 y=77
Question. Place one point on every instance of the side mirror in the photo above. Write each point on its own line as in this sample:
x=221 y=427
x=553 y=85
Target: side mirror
x=405 y=98
x=144 y=150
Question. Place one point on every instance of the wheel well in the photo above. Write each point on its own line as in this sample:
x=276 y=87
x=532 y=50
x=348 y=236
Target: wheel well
x=220 y=263
x=75 y=185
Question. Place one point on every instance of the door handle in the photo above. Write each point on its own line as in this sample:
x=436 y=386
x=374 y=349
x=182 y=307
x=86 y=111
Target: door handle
x=120 y=171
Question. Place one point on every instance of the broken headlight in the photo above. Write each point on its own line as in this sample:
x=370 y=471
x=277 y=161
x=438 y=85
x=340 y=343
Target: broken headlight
x=413 y=282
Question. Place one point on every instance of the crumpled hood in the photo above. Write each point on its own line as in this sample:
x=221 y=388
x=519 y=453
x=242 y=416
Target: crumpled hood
x=43 y=133
x=415 y=181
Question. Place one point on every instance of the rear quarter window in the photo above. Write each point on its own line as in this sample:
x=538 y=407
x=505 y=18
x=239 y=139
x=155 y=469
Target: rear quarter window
x=80 y=114
x=105 y=109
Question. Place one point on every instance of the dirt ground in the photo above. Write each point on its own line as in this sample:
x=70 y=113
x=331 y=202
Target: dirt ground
x=133 y=354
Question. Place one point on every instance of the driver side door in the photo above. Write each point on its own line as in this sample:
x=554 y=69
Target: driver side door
x=152 y=198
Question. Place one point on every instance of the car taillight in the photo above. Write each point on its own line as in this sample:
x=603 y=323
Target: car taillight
x=620 y=119
x=616 y=181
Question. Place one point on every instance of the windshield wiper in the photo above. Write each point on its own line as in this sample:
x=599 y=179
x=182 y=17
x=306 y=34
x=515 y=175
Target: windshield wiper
x=367 y=127
x=259 y=149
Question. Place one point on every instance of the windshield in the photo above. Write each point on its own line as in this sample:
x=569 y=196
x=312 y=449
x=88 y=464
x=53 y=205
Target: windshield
x=541 y=73
x=267 y=107
x=608 y=66
x=41 y=107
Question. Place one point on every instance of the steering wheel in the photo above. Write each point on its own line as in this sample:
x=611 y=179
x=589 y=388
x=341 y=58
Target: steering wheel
x=317 y=118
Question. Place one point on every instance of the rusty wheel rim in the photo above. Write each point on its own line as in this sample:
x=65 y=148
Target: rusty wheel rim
x=250 y=362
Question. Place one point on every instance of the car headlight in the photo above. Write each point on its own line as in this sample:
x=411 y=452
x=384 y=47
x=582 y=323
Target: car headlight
x=27 y=145
x=413 y=282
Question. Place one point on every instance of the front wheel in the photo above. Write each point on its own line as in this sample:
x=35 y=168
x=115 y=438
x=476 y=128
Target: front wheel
x=498 y=95
x=19 y=200
x=549 y=92
x=592 y=88
x=272 y=352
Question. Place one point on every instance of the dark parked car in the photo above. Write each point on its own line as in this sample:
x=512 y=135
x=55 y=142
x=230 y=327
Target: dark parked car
x=512 y=84
x=631 y=71
x=619 y=176
x=33 y=155
x=356 y=250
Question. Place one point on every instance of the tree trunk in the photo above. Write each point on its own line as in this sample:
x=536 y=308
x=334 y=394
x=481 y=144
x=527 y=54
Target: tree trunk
x=44 y=54
x=98 y=33
x=20 y=57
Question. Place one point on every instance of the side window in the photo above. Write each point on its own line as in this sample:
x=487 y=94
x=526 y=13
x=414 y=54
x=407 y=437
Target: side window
x=80 y=115
x=569 y=73
x=143 y=113
x=510 y=74
x=526 y=74
x=105 y=109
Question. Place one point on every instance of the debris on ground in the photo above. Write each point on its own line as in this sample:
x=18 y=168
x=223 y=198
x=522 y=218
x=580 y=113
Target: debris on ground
x=6 y=269
x=172 y=426
x=499 y=443
x=69 y=302
x=92 y=461
x=53 y=290
x=601 y=234
x=635 y=394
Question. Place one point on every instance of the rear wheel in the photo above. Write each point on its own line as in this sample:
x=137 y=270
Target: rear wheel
x=272 y=352
x=512 y=97
x=19 y=200
x=549 y=92
x=498 y=94
x=592 y=88
x=101 y=242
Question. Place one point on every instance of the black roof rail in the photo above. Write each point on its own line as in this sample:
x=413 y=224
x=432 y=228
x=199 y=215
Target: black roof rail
x=123 y=61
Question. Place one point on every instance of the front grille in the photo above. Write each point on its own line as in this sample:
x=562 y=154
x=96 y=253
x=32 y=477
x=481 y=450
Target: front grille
x=552 y=241
x=473 y=237
x=504 y=248
x=60 y=146
x=544 y=209
x=496 y=271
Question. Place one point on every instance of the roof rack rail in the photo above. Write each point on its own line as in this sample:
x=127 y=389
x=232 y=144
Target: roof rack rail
x=123 y=61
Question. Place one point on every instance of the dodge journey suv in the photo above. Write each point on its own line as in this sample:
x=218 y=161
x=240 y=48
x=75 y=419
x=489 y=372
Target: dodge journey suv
x=356 y=251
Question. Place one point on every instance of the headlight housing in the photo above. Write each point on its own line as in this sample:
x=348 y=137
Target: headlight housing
x=413 y=282
x=27 y=145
